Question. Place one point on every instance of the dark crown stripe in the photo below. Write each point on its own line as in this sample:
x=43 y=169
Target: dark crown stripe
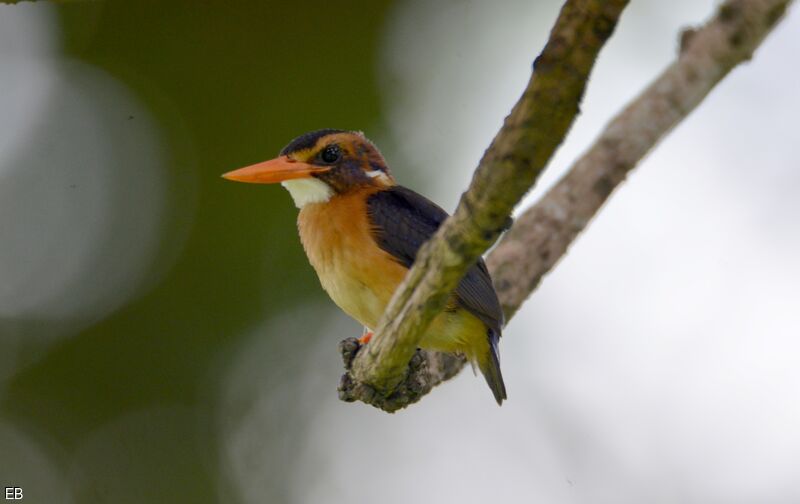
x=308 y=140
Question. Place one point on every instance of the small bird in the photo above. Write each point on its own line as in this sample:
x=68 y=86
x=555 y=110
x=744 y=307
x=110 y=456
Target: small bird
x=361 y=232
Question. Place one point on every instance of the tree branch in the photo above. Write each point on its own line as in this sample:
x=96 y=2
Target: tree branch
x=531 y=133
x=543 y=233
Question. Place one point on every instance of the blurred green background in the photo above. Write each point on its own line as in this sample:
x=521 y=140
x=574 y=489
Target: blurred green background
x=227 y=84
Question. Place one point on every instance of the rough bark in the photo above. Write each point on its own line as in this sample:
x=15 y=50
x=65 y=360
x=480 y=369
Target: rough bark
x=531 y=133
x=543 y=233
x=541 y=236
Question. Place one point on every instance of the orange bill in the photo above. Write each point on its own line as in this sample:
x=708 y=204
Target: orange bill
x=275 y=170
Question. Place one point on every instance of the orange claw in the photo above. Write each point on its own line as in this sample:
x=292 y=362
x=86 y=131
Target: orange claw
x=365 y=338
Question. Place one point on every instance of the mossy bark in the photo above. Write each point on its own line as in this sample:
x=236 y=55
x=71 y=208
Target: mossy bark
x=531 y=133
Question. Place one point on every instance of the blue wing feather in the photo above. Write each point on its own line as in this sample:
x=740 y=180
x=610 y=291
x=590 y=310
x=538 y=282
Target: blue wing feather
x=403 y=220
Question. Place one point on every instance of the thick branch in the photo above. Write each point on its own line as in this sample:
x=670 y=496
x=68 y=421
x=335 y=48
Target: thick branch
x=531 y=133
x=543 y=233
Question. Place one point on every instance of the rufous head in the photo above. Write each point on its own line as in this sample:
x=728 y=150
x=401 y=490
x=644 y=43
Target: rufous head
x=321 y=164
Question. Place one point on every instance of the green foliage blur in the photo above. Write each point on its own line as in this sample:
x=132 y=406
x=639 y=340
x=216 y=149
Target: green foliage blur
x=229 y=84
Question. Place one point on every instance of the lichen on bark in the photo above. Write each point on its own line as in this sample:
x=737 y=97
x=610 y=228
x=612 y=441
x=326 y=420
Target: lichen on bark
x=530 y=135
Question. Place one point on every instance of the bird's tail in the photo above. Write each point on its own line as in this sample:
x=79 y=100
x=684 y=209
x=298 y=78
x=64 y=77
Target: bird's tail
x=490 y=368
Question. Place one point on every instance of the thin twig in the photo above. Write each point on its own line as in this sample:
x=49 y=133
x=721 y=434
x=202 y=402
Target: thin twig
x=541 y=236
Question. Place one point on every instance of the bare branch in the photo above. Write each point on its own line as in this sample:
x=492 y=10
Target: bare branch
x=543 y=233
x=531 y=133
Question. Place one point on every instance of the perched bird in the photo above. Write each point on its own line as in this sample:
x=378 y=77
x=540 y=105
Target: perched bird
x=361 y=232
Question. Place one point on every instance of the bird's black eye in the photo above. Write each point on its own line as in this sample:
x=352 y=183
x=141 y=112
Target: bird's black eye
x=331 y=154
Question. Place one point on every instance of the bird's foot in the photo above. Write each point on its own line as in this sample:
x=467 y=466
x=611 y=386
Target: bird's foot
x=364 y=339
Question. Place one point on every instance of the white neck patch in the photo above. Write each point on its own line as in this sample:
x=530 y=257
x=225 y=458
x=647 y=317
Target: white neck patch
x=310 y=190
x=380 y=175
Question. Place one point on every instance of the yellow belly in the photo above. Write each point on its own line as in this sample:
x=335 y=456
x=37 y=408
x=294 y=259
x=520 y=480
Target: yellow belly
x=361 y=278
x=358 y=275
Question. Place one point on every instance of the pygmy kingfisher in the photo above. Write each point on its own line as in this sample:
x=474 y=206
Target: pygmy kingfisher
x=361 y=232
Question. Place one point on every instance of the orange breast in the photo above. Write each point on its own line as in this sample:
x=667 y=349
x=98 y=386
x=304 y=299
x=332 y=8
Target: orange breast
x=357 y=274
x=361 y=278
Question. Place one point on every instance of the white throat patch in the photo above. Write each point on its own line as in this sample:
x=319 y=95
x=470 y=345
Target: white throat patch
x=310 y=190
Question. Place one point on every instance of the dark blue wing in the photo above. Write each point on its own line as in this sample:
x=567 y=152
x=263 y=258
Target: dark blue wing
x=403 y=220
